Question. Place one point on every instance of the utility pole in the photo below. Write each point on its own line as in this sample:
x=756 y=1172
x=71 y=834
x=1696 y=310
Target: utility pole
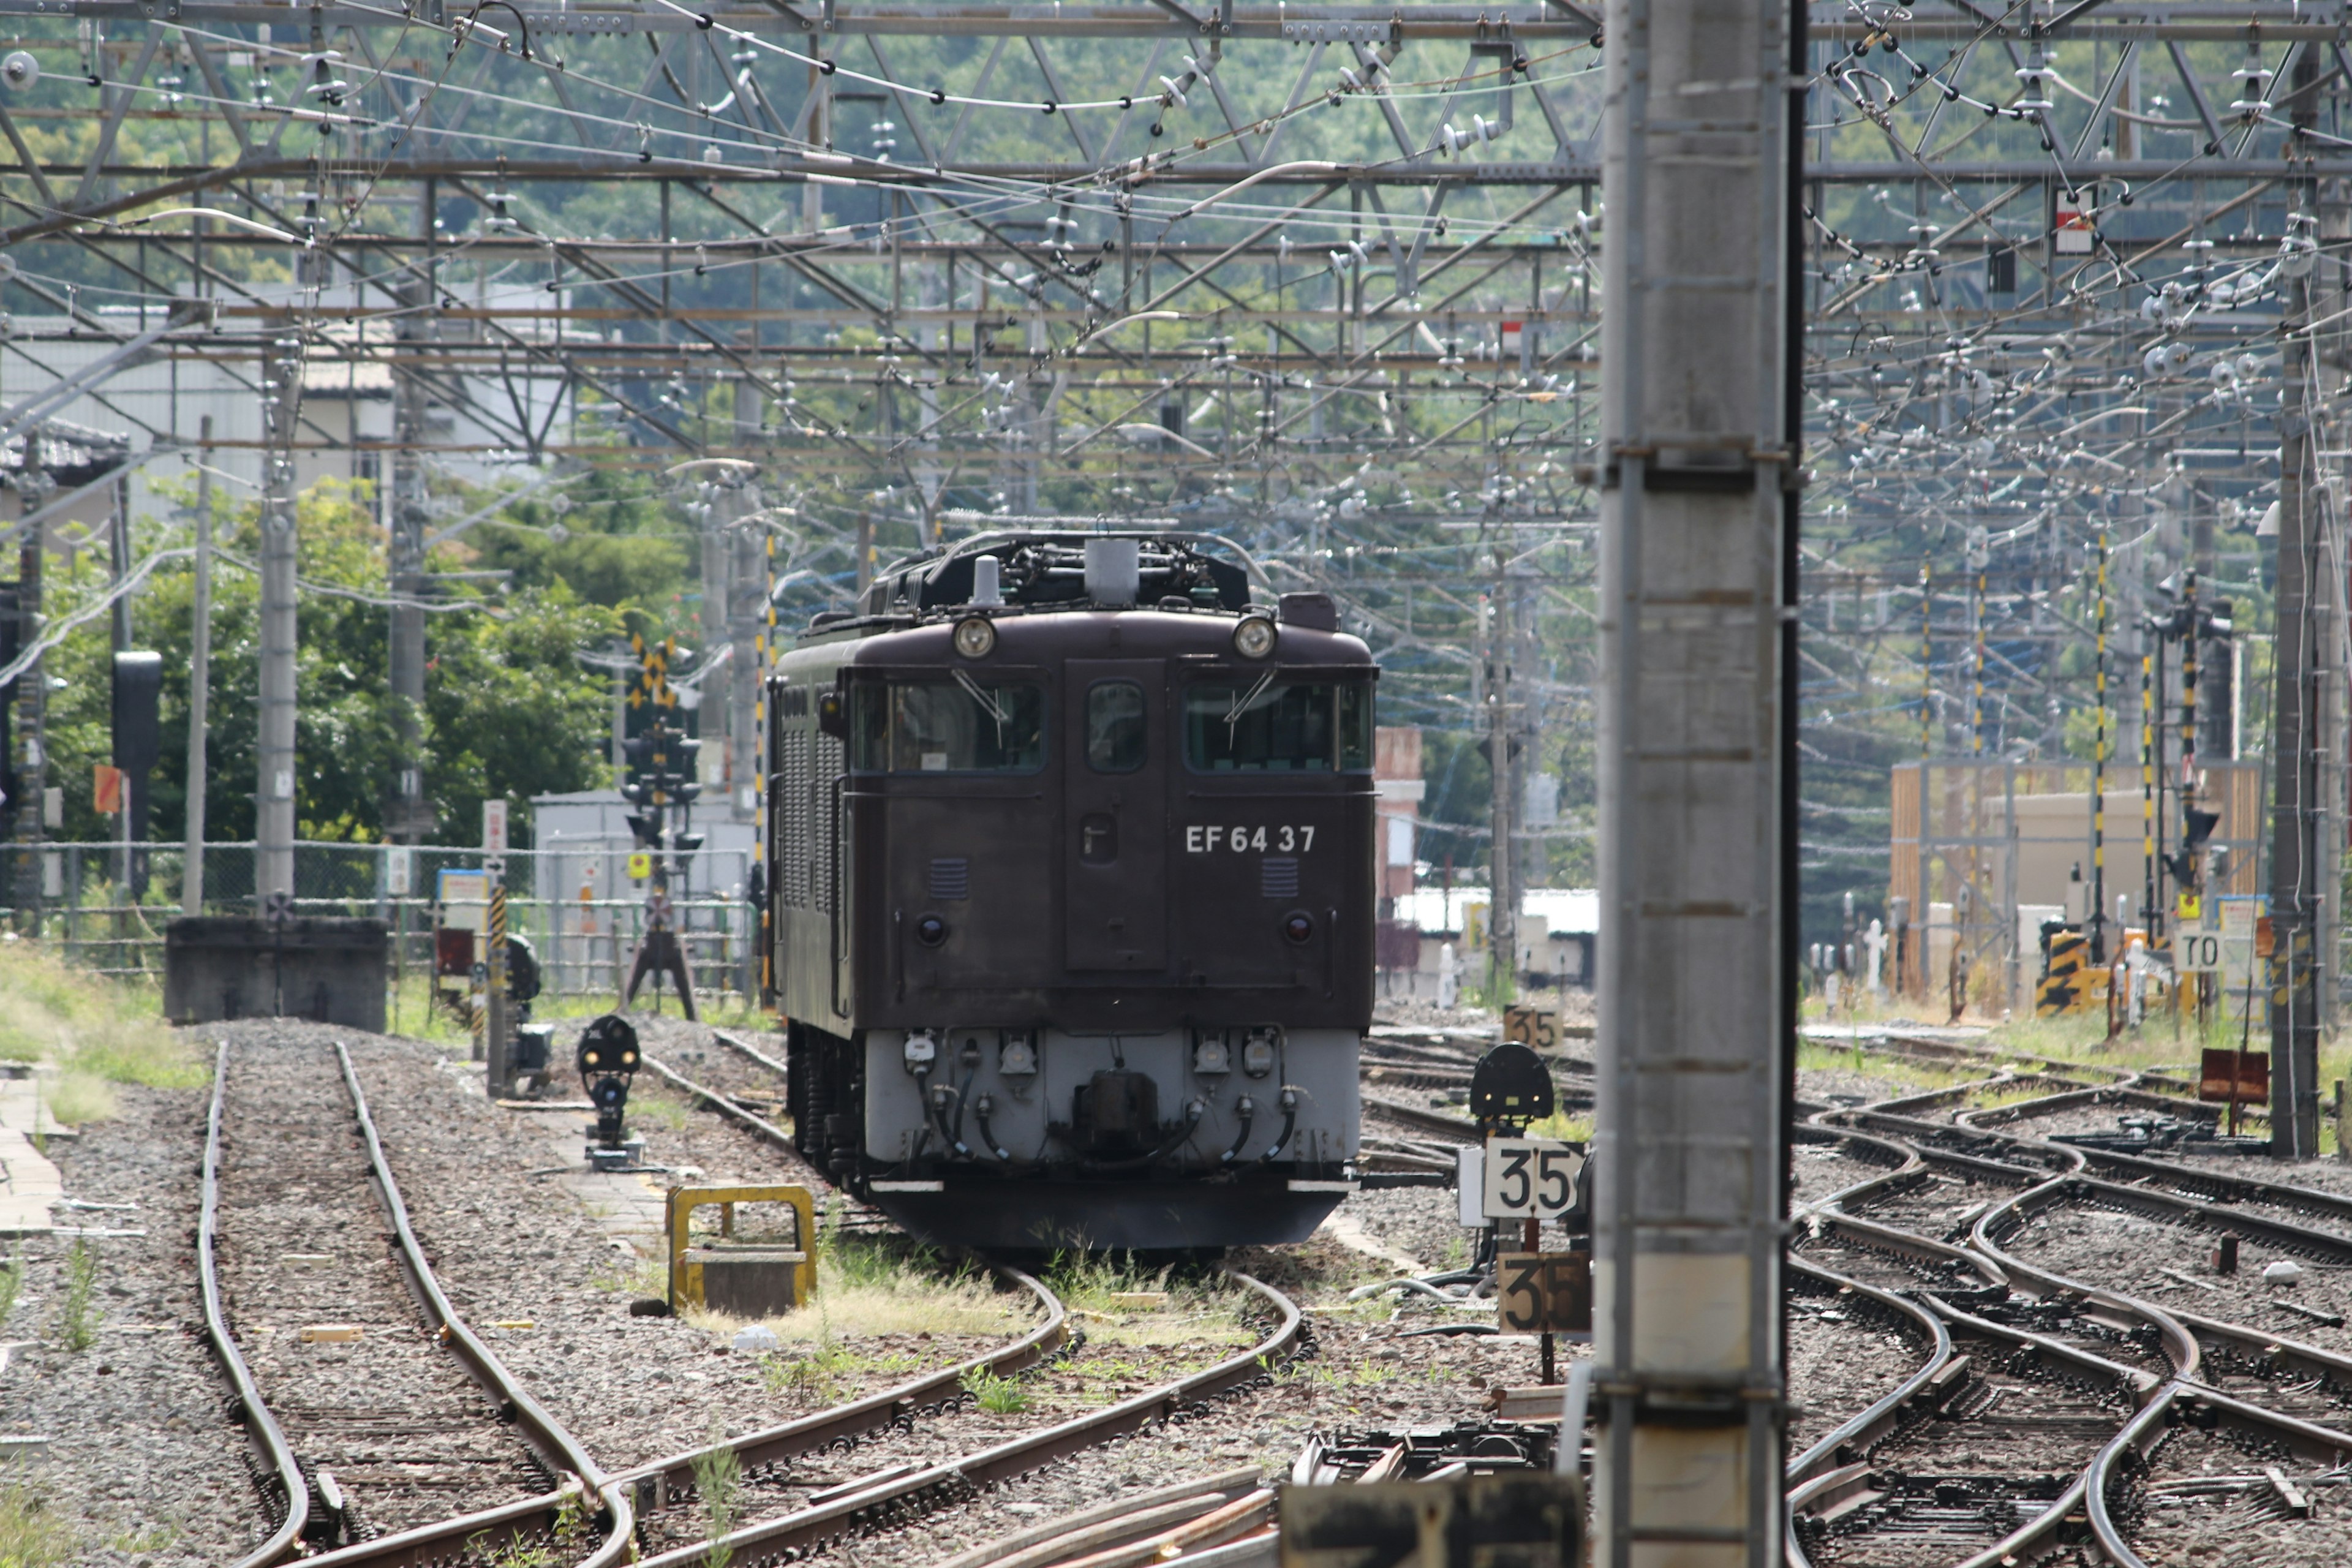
x=1701 y=412
x=746 y=670
x=32 y=699
x=200 y=675
x=2297 y=737
x=722 y=502
x=281 y=397
x=408 y=819
x=1503 y=876
x=117 y=542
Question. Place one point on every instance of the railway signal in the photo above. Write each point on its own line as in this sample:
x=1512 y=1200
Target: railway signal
x=660 y=783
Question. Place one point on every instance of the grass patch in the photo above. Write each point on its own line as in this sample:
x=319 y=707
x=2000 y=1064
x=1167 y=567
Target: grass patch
x=30 y=1536
x=872 y=1286
x=663 y=1110
x=77 y=1325
x=1121 y=1303
x=80 y=1097
x=12 y=1286
x=100 y=1032
x=632 y=1275
x=997 y=1396
x=1567 y=1128
x=719 y=1481
x=826 y=1373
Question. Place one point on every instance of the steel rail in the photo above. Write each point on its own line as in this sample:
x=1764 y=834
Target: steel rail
x=434 y=1543
x=261 y=1427
x=795 y=1532
x=2124 y=1094
x=2183 y=1396
x=747 y=1049
x=1121 y=1519
x=1908 y=1163
x=2037 y=1535
x=2218 y=1183
x=1910 y=1245
x=757 y=1125
x=1415 y=1116
x=1869 y=1426
x=651 y=1484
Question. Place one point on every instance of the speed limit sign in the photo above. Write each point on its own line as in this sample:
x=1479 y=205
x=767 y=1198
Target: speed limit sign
x=1530 y=1178
x=2197 y=951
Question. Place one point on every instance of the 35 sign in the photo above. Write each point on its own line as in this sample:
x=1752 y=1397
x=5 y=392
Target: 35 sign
x=1544 y=1292
x=1530 y=1178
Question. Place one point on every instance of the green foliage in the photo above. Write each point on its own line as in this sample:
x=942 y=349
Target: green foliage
x=77 y=1325
x=30 y=1536
x=101 y=1032
x=996 y=1394
x=719 y=1481
x=508 y=709
x=12 y=1285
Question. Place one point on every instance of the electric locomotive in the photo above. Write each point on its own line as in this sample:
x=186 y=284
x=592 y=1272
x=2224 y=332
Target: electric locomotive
x=1071 y=894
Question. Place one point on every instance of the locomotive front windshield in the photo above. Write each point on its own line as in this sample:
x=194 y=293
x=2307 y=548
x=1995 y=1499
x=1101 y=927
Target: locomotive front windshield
x=1279 y=726
x=960 y=726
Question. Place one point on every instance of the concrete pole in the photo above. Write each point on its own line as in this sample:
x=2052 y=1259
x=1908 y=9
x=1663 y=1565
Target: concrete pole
x=1503 y=870
x=408 y=819
x=717 y=756
x=2297 y=871
x=1699 y=425
x=200 y=675
x=274 y=796
x=746 y=604
x=32 y=699
x=118 y=546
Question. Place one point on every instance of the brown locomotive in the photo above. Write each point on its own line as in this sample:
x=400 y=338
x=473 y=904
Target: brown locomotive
x=1070 y=886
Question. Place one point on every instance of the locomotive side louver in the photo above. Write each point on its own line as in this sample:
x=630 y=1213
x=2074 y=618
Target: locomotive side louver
x=1277 y=876
x=951 y=879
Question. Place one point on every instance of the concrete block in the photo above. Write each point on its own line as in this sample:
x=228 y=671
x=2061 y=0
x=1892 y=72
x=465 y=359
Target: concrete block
x=328 y=970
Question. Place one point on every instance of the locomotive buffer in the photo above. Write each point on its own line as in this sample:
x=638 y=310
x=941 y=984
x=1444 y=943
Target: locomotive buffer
x=662 y=782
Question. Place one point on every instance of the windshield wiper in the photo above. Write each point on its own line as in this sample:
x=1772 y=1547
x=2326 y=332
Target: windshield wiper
x=987 y=700
x=1246 y=702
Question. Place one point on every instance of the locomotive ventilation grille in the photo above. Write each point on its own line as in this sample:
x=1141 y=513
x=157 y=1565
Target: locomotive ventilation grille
x=951 y=879
x=1277 y=876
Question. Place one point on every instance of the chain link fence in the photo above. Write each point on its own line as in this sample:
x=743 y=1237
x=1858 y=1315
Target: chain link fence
x=105 y=905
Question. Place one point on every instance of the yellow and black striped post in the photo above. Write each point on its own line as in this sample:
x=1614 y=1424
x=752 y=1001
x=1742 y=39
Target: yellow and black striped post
x=497 y=1026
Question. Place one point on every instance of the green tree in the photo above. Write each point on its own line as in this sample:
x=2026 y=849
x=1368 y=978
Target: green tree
x=508 y=709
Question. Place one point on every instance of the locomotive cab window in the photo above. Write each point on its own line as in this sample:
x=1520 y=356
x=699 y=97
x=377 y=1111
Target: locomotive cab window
x=1116 y=725
x=1279 y=726
x=961 y=726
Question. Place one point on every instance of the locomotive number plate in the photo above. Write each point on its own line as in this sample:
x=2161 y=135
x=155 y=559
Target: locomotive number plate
x=1202 y=838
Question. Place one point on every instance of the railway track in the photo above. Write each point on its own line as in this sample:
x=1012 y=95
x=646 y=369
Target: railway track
x=2126 y=1403
x=381 y=1423
x=665 y=1492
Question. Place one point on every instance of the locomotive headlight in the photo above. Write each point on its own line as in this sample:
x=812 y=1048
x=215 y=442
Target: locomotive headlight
x=921 y=1051
x=1212 y=1057
x=1016 y=1057
x=1254 y=637
x=975 y=637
